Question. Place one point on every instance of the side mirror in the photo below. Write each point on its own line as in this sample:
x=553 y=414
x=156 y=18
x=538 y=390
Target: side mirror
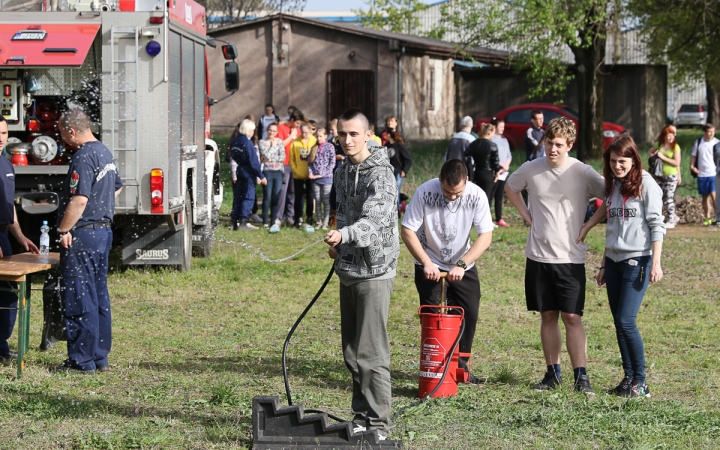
x=229 y=51
x=232 y=76
x=210 y=42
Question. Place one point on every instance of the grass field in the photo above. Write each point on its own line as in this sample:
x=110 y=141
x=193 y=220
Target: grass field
x=191 y=350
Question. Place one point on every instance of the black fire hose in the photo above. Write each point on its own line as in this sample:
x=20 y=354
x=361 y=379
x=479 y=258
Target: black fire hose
x=302 y=316
x=287 y=342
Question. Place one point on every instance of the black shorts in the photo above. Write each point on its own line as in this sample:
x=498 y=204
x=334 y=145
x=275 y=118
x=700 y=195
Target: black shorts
x=555 y=287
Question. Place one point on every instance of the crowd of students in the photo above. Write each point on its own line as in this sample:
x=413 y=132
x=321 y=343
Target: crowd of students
x=294 y=160
x=437 y=225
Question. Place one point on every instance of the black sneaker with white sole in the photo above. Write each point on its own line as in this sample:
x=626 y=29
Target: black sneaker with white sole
x=550 y=381
x=582 y=384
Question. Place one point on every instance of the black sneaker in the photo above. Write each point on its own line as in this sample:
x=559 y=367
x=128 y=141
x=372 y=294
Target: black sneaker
x=624 y=386
x=68 y=367
x=582 y=384
x=551 y=381
x=8 y=357
x=105 y=368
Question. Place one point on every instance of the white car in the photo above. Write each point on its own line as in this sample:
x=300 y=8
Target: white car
x=691 y=115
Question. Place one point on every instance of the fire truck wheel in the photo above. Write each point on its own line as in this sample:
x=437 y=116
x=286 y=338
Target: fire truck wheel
x=187 y=235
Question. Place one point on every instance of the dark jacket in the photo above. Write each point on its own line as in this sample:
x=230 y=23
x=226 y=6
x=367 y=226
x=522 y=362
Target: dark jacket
x=242 y=151
x=260 y=127
x=456 y=148
x=401 y=160
x=532 y=139
x=484 y=153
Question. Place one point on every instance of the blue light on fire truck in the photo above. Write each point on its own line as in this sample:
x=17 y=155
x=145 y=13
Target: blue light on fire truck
x=153 y=48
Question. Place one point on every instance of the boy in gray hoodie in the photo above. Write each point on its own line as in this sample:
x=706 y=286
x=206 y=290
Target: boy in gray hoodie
x=365 y=247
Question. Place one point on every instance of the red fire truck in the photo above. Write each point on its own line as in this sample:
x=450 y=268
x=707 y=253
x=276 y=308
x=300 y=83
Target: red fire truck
x=138 y=68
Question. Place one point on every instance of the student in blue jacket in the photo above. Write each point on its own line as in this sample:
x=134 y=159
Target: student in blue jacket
x=242 y=151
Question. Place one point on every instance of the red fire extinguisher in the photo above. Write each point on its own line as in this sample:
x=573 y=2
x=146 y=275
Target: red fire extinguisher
x=439 y=352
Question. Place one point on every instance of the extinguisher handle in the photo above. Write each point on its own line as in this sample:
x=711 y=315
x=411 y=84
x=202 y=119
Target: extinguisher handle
x=462 y=311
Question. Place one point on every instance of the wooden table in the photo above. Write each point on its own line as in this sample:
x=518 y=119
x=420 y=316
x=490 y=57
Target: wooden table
x=18 y=268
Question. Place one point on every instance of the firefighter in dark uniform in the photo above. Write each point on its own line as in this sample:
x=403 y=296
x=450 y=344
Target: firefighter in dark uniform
x=8 y=222
x=87 y=207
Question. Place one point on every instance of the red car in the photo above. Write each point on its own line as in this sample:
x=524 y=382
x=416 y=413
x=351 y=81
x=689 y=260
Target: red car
x=517 y=122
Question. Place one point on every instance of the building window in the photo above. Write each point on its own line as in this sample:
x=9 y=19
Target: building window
x=431 y=90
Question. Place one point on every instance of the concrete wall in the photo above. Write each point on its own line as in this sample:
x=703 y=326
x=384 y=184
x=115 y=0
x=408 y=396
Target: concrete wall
x=635 y=96
x=423 y=118
x=301 y=79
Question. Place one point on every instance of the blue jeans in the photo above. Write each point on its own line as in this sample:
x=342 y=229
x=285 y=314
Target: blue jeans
x=271 y=194
x=399 y=180
x=626 y=286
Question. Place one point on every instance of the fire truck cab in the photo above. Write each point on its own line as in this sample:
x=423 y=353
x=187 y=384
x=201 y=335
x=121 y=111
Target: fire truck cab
x=138 y=68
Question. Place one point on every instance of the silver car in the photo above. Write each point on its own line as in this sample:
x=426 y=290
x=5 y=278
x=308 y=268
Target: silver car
x=691 y=115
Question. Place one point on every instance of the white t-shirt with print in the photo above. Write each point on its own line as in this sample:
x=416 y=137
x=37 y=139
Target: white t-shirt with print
x=443 y=227
x=704 y=155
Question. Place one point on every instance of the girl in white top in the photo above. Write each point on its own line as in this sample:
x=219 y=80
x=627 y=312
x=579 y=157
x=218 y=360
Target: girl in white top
x=505 y=157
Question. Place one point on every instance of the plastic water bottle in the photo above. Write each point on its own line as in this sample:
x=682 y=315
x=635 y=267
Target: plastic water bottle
x=44 y=238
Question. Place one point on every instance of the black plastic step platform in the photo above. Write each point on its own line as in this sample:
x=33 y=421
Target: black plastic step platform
x=288 y=427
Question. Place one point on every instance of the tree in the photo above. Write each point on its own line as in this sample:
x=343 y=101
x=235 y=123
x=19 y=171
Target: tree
x=226 y=12
x=392 y=15
x=685 y=35
x=538 y=34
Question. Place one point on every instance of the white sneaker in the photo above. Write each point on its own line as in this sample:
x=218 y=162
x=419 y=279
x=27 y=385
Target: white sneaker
x=670 y=225
x=278 y=222
x=250 y=226
x=495 y=225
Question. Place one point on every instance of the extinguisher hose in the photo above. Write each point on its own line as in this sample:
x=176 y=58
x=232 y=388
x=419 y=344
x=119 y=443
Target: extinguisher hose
x=287 y=342
x=302 y=316
x=442 y=378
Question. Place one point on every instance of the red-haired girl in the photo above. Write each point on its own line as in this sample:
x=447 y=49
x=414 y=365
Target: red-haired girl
x=633 y=246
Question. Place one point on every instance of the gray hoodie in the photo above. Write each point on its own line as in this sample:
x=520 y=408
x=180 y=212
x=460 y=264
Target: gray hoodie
x=367 y=218
x=634 y=224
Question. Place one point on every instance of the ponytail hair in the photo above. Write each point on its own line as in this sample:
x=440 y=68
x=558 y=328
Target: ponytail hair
x=486 y=128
